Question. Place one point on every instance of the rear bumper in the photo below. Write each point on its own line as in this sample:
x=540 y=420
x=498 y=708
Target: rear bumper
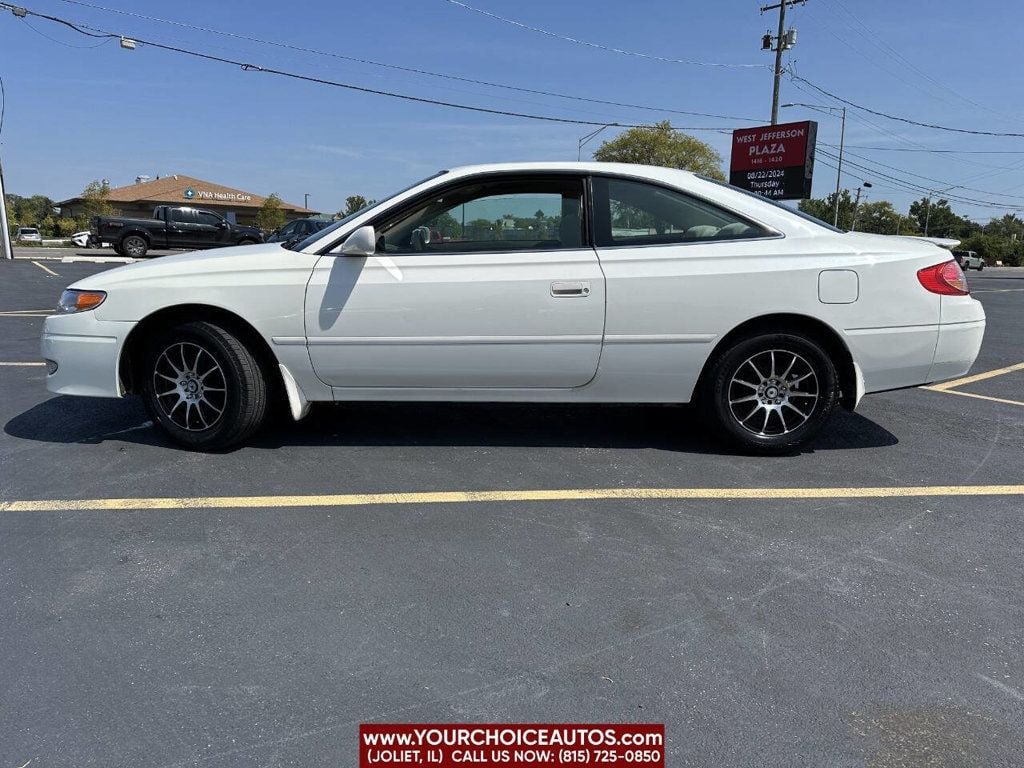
x=956 y=350
x=86 y=352
x=908 y=356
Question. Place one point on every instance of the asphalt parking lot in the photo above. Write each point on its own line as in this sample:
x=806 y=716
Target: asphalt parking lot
x=857 y=623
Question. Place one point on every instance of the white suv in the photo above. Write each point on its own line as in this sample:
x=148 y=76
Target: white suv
x=969 y=260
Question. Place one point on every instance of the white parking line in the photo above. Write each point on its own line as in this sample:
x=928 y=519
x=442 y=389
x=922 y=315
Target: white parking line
x=45 y=269
x=19 y=365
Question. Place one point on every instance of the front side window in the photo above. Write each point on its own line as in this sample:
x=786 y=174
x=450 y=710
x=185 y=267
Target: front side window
x=636 y=213
x=490 y=215
x=205 y=217
x=183 y=215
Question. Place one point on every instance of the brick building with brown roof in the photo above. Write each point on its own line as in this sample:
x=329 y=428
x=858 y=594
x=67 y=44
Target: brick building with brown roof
x=138 y=200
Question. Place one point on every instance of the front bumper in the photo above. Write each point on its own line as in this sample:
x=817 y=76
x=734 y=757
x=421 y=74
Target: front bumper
x=86 y=352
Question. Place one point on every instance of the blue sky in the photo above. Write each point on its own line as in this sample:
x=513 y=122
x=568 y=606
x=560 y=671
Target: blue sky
x=76 y=113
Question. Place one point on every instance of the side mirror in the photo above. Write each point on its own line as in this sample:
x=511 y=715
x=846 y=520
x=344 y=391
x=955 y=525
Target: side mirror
x=362 y=242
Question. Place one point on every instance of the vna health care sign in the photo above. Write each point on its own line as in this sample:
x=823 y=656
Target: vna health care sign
x=775 y=161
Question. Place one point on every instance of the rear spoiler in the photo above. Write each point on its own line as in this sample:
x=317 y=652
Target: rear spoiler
x=942 y=242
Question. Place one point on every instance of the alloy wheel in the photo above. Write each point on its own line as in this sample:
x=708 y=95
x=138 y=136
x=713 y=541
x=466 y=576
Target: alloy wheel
x=190 y=386
x=773 y=392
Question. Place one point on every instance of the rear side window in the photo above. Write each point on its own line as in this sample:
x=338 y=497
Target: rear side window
x=631 y=212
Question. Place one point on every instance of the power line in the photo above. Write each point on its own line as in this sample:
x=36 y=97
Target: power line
x=600 y=46
x=907 y=120
x=877 y=40
x=938 y=182
x=942 y=151
x=411 y=70
x=909 y=186
x=249 y=67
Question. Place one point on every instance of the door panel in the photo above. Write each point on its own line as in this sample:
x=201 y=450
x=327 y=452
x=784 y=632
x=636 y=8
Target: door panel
x=457 y=320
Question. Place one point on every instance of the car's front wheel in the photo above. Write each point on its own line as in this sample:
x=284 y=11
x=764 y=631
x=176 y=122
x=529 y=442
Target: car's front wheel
x=773 y=392
x=203 y=386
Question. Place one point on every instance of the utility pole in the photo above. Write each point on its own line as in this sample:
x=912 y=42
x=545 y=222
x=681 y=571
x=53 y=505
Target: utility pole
x=856 y=205
x=783 y=42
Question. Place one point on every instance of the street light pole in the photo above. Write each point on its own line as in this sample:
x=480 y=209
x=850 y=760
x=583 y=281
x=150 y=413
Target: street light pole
x=842 y=144
x=305 y=201
x=839 y=168
x=864 y=185
x=584 y=140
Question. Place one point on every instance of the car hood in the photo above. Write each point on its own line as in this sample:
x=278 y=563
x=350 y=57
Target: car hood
x=197 y=265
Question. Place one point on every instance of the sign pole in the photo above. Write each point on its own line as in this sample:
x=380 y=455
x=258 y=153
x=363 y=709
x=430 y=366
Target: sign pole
x=6 y=248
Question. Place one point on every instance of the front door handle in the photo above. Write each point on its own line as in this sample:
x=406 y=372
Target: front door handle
x=565 y=290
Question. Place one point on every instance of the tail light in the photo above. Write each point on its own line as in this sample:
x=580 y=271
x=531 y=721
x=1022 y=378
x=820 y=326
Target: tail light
x=946 y=278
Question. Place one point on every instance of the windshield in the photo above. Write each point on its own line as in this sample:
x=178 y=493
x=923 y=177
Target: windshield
x=308 y=241
x=795 y=211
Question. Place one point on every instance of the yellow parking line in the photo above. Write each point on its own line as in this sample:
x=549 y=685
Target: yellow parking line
x=947 y=385
x=45 y=269
x=462 y=497
x=19 y=365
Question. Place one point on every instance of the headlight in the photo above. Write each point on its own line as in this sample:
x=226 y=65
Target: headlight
x=72 y=301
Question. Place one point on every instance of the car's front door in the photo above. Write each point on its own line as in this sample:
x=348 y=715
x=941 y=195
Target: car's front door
x=211 y=228
x=488 y=283
x=181 y=228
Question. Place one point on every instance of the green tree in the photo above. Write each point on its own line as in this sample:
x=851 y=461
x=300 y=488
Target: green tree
x=662 y=145
x=12 y=218
x=446 y=226
x=270 y=216
x=354 y=203
x=879 y=217
x=940 y=219
x=824 y=208
x=94 y=199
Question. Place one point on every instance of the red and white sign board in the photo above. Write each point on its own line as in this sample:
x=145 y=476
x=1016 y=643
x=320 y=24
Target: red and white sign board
x=775 y=161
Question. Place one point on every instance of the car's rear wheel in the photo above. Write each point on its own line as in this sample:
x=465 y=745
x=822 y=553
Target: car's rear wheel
x=134 y=246
x=247 y=241
x=773 y=392
x=203 y=386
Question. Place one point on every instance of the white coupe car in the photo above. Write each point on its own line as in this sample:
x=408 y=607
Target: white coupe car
x=542 y=282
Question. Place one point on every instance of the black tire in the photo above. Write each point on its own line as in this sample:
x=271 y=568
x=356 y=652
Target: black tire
x=247 y=241
x=134 y=246
x=787 y=422
x=981 y=266
x=243 y=402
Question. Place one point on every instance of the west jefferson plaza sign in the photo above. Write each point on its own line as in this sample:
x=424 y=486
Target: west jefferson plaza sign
x=775 y=161
x=191 y=193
